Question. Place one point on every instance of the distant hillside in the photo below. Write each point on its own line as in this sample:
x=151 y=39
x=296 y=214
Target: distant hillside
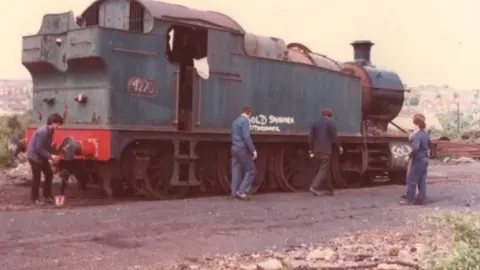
x=15 y=96
x=443 y=105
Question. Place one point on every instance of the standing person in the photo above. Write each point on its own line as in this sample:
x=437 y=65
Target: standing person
x=323 y=134
x=420 y=154
x=410 y=137
x=39 y=155
x=243 y=155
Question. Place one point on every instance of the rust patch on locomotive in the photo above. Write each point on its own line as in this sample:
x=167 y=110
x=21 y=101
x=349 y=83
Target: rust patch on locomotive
x=139 y=86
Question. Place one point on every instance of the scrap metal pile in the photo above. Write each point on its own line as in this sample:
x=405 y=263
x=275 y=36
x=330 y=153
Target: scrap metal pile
x=457 y=149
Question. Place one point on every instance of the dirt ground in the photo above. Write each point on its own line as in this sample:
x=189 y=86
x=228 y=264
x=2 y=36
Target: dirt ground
x=92 y=233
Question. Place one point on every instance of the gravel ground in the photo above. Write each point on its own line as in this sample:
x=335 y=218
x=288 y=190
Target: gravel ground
x=137 y=235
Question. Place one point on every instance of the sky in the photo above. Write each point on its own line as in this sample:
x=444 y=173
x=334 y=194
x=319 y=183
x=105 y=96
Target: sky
x=424 y=41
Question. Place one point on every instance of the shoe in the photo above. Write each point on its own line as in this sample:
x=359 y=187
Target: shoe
x=241 y=196
x=59 y=200
x=314 y=192
x=403 y=196
x=406 y=202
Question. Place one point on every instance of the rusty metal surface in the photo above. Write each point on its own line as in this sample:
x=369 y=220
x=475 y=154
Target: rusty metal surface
x=299 y=57
x=266 y=47
x=325 y=62
x=300 y=53
x=167 y=11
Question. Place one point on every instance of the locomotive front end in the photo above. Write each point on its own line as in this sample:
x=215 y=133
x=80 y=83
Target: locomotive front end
x=383 y=92
x=383 y=95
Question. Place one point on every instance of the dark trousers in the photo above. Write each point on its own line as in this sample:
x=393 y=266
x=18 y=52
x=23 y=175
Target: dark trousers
x=37 y=169
x=417 y=177
x=243 y=171
x=323 y=177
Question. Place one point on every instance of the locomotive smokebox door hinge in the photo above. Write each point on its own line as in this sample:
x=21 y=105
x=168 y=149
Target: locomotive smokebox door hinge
x=49 y=101
x=81 y=98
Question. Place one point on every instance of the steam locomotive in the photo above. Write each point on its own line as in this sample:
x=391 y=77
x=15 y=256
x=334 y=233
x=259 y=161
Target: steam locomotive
x=149 y=90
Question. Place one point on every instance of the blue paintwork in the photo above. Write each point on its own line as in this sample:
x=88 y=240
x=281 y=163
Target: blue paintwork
x=278 y=88
x=383 y=78
x=136 y=110
x=272 y=87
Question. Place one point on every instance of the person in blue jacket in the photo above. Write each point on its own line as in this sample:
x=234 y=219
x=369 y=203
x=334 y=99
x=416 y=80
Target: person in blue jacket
x=243 y=156
x=39 y=155
x=419 y=164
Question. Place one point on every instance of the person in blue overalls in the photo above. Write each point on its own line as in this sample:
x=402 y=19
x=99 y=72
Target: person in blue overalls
x=415 y=129
x=419 y=166
x=243 y=156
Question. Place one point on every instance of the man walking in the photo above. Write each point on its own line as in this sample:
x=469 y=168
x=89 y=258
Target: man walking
x=243 y=155
x=323 y=133
x=39 y=155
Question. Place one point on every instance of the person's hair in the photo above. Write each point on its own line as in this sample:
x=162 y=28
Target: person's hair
x=327 y=113
x=247 y=110
x=419 y=115
x=419 y=120
x=55 y=118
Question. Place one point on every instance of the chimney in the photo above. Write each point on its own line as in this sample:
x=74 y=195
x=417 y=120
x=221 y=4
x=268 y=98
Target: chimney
x=361 y=50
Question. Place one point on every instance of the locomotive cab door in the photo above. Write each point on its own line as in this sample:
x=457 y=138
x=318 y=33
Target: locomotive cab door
x=184 y=45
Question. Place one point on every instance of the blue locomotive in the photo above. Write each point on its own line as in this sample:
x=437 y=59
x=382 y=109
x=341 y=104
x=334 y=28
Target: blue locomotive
x=148 y=91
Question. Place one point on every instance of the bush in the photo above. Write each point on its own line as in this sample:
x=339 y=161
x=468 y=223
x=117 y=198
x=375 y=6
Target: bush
x=466 y=234
x=11 y=126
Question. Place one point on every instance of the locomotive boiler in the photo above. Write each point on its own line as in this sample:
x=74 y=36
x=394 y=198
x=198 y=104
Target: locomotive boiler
x=141 y=113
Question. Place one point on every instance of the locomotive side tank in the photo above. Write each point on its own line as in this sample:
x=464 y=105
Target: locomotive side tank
x=149 y=90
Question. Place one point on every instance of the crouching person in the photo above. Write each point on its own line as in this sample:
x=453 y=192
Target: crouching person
x=39 y=156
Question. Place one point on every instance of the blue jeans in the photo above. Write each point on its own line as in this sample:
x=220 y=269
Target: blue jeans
x=243 y=171
x=418 y=177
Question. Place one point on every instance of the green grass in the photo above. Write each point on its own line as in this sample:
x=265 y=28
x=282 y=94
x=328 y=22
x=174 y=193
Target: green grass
x=466 y=236
x=10 y=126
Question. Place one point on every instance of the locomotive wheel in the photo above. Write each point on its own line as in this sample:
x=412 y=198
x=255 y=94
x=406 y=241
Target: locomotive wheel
x=121 y=188
x=354 y=179
x=206 y=170
x=160 y=171
x=272 y=182
x=294 y=169
x=224 y=166
x=347 y=179
x=127 y=162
